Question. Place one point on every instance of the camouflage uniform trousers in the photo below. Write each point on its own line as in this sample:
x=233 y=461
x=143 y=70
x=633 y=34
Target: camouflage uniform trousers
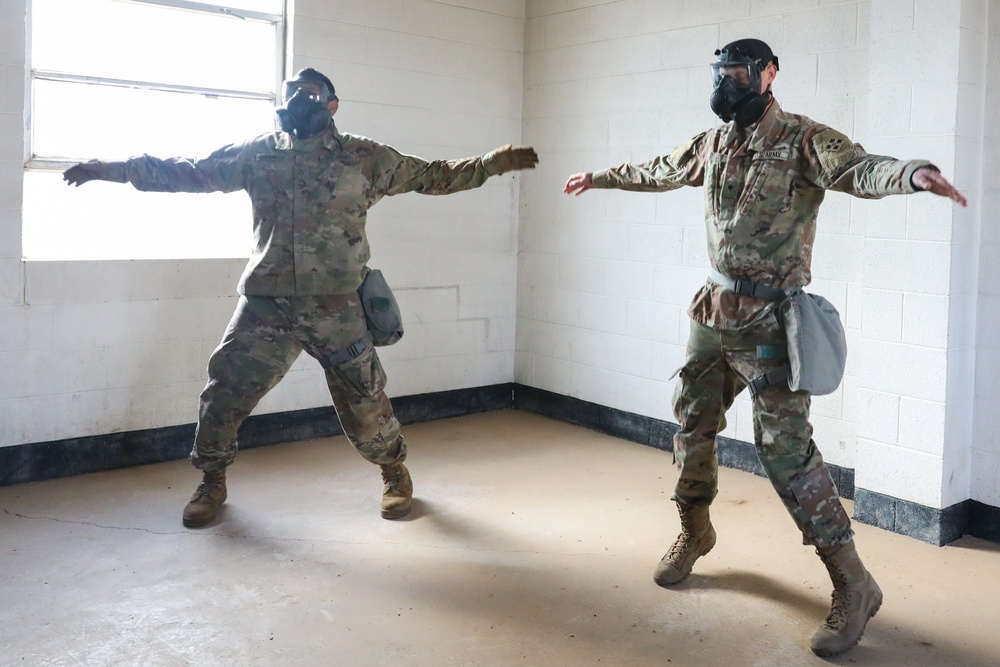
x=263 y=339
x=718 y=367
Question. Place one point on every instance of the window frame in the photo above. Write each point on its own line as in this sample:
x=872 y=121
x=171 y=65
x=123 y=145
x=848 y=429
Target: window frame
x=36 y=162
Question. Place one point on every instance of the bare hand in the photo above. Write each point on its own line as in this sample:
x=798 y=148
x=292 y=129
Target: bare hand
x=85 y=171
x=931 y=180
x=579 y=183
x=511 y=158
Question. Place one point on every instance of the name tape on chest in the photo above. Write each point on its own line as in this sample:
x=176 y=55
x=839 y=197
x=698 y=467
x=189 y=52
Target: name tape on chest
x=270 y=157
x=780 y=153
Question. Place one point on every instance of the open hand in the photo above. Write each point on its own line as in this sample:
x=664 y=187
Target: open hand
x=512 y=158
x=579 y=183
x=931 y=180
x=85 y=171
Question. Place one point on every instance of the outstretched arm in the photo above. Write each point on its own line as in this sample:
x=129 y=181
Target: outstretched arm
x=395 y=173
x=834 y=162
x=222 y=171
x=932 y=181
x=685 y=166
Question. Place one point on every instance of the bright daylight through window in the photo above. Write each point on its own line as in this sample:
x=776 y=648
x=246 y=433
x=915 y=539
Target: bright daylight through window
x=115 y=78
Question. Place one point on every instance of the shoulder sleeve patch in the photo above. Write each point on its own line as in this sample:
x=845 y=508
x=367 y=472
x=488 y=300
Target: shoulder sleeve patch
x=833 y=149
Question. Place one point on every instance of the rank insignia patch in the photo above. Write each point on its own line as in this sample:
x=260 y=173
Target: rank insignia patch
x=834 y=145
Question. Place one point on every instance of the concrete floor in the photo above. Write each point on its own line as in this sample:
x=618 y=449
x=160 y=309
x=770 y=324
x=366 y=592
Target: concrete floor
x=532 y=542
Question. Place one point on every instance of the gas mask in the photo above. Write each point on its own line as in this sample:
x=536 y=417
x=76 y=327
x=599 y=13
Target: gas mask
x=305 y=113
x=736 y=75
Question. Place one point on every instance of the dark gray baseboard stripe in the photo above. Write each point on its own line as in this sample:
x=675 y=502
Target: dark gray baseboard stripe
x=984 y=521
x=75 y=456
x=626 y=425
x=899 y=516
x=909 y=518
x=649 y=431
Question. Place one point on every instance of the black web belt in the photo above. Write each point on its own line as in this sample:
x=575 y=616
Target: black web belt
x=748 y=287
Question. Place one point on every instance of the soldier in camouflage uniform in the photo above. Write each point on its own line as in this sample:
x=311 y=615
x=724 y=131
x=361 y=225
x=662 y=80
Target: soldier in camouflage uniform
x=765 y=173
x=310 y=187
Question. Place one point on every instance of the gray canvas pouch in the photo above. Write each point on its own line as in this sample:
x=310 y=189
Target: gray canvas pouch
x=817 y=345
x=385 y=323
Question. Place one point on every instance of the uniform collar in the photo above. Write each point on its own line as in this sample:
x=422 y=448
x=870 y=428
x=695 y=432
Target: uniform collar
x=331 y=139
x=759 y=138
x=754 y=137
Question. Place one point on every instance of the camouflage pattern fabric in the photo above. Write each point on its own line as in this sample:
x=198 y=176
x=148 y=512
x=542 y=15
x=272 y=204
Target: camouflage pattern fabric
x=262 y=340
x=310 y=200
x=763 y=188
x=718 y=366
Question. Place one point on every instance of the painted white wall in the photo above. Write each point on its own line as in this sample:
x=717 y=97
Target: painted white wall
x=920 y=259
x=439 y=80
x=88 y=348
x=605 y=278
x=985 y=457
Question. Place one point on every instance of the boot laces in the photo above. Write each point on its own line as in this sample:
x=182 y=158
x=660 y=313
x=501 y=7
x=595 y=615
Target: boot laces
x=391 y=475
x=681 y=545
x=837 y=618
x=209 y=485
x=685 y=541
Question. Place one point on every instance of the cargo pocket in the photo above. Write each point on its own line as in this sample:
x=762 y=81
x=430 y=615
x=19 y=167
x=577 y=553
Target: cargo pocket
x=363 y=376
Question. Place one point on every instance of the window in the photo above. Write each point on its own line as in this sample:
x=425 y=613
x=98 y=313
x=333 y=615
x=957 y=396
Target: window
x=116 y=78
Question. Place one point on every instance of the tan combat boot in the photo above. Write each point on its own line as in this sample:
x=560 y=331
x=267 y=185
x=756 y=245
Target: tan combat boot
x=207 y=500
x=856 y=598
x=696 y=539
x=397 y=495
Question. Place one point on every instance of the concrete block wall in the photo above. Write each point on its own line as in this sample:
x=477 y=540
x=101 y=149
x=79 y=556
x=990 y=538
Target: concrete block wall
x=985 y=450
x=89 y=348
x=13 y=313
x=920 y=258
x=439 y=80
x=605 y=278
x=913 y=277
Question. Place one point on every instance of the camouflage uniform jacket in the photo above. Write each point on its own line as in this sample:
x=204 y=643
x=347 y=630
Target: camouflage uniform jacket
x=310 y=200
x=762 y=193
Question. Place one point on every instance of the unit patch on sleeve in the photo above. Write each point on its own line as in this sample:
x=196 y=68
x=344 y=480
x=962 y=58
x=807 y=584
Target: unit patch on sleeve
x=833 y=149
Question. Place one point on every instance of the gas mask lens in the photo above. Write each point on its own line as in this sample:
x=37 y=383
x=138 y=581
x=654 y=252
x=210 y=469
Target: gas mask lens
x=313 y=90
x=739 y=74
